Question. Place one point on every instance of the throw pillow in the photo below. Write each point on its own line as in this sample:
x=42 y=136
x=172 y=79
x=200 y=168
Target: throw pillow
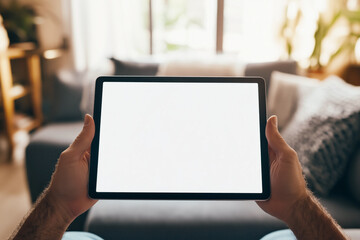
x=66 y=96
x=283 y=95
x=265 y=69
x=325 y=131
x=135 y=68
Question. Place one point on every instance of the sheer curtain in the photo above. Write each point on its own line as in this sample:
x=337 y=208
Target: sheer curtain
x=106 y=28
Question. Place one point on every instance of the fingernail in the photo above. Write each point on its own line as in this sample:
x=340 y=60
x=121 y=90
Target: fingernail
x=275 y=121
x=87 y=119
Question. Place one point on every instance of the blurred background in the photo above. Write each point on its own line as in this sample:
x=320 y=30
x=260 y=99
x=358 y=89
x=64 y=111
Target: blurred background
x=314 y=33
x=51 y=50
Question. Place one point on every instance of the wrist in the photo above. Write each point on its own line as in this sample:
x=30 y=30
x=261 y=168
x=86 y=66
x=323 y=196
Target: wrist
x=309 y=220
x=57 y=209
x=302 y=205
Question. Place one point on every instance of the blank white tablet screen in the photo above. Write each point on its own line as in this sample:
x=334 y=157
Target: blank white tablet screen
x=179 y=137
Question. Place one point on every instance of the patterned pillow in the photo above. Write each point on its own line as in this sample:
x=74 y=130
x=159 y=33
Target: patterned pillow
x=325 y=131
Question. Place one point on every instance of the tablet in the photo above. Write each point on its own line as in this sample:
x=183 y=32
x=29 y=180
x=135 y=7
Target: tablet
x=179 y=138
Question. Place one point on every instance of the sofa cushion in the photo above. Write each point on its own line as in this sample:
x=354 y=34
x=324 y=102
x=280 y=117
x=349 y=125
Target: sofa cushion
x=130 y=219
x=45 y=147
x=343 y=209
x=324 y=131
x=66 y=97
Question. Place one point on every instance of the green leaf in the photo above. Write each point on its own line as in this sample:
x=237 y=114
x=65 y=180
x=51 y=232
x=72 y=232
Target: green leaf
x=347 y=45
x=352 y=16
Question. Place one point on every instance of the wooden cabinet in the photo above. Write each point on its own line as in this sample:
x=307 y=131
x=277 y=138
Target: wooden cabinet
x=9 y=92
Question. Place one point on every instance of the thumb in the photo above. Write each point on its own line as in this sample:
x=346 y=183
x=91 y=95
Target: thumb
x=275 y=140
x=84 y=139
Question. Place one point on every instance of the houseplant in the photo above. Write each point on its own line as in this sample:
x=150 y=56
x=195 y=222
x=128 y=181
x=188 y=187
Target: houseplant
x=20 y=22
x=338 y=18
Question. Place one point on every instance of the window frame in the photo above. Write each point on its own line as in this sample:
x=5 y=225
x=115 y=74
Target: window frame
x=219 y=27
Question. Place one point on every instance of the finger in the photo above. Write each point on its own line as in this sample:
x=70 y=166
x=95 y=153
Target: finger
x=275 y=140
x=83 y=141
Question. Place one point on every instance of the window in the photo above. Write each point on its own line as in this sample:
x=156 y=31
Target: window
x=142 y=28
x=241 y=27
x=183 y=26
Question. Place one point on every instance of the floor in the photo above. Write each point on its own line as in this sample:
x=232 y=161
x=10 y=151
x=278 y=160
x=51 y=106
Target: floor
x=14 y=194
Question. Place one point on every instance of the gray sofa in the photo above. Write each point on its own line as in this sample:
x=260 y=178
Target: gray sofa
x=127 y=219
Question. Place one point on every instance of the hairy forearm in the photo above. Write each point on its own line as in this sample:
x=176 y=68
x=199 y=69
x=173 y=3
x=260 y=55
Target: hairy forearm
x=44 y=221
x=309 y=220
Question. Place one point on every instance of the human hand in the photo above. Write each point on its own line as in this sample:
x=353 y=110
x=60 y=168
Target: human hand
x=68 y=187
x=287 y=182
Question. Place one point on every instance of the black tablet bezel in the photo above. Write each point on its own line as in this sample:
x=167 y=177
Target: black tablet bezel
x=180 y=196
